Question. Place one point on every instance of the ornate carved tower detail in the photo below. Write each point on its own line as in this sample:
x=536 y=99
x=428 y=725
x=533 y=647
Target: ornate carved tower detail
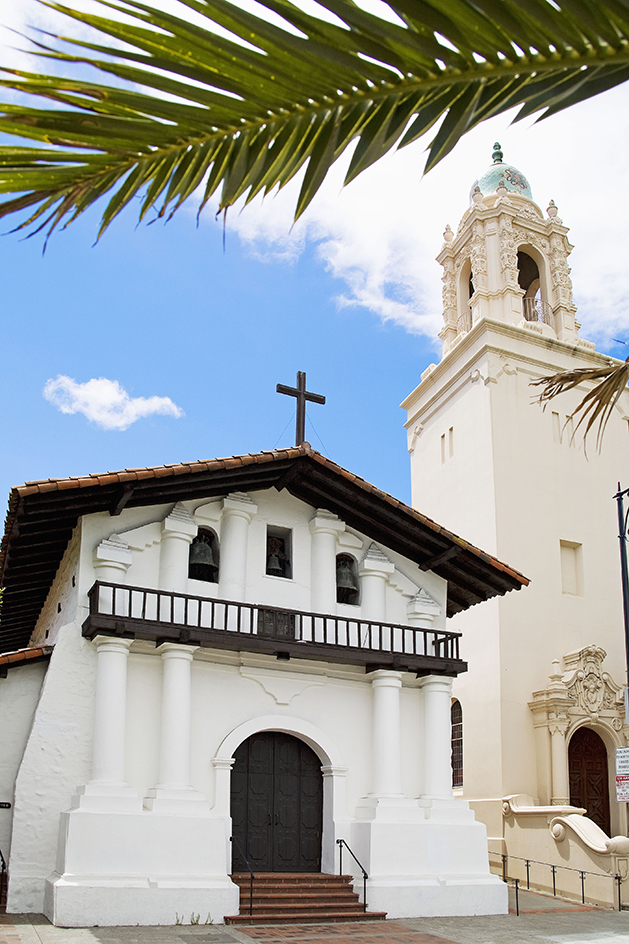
x=507 y=262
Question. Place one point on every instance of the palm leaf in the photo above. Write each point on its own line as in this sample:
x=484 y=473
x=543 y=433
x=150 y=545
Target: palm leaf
x=180 y=106
x=598 y=403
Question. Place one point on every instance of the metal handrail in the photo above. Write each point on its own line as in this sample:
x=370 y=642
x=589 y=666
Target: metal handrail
x=567 y=868
x=194 y=612
x=233 y=839
x=340 y=843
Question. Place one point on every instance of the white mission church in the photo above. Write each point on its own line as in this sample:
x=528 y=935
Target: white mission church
x=245 y=667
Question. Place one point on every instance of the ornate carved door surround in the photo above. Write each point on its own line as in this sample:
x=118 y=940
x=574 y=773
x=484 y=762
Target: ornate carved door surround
x=583 y=695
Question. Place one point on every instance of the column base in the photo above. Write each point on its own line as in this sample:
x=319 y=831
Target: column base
x=142 y=868
x=391 y=809
x=437 y=897
x=101 y=796
x=446 y=809
x=76 y=901
x=176 y=800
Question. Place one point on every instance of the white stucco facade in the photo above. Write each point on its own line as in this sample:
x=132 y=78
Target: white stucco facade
x=122 y=798
x=490 y=462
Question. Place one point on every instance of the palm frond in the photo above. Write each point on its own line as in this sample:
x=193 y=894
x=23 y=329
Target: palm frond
x=180 y=105
x=598 y=403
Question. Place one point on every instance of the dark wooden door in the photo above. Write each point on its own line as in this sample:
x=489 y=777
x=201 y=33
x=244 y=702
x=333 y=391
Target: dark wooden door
x=276 y=804
x=589 y=776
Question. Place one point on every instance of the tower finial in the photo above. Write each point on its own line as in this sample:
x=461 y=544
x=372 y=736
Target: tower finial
x=497 y=154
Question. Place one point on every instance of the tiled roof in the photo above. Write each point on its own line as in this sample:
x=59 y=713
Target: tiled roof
x=42 y=515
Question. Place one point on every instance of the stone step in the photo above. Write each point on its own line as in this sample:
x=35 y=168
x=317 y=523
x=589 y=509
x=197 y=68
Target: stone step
x=293 y=897
x=301 y=917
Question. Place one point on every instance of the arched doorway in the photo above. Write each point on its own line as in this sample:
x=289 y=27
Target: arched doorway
x=589 y=778
x=276 y=804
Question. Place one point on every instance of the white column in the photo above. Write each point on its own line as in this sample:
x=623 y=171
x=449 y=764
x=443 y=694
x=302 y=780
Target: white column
x=108 y=788
x=112 y=559
x=238 y=512
x=437 y=692
x=174 y=790
x=374 y=572
x=386 y=754
x=559 y=764
x=325 y=529
x=178 y=533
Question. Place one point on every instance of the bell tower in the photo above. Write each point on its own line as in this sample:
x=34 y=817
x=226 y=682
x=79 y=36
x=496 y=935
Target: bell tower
x=507 y=262
x=495 y=468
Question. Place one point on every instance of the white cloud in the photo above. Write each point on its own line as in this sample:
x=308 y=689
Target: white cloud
x=379 y=235
x=105 y=402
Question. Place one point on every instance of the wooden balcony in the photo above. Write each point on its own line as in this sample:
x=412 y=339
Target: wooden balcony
x=162 y=616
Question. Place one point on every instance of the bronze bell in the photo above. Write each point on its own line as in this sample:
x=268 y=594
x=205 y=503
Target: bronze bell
x=201 y=552
x=274 y=566
x=344 y=576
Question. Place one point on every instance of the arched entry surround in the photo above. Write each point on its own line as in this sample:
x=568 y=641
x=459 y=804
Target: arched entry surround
x=335 y=818
x=611 y=740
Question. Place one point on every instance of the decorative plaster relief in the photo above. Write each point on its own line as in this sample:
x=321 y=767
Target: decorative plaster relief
x=283 y=688
x=589 y=687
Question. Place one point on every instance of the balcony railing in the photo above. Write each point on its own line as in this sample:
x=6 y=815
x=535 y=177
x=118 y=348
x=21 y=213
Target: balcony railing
x=164 y=616
x=534 y=309
x=464 y=322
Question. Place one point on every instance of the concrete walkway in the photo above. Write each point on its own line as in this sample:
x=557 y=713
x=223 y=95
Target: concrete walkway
x=542 y=920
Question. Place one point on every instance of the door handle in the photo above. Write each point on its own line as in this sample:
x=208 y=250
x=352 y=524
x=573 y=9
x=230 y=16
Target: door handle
x=269 y=820
x=277 y=819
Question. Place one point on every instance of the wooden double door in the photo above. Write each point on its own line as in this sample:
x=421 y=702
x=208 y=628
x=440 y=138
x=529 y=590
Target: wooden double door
x=276 y=805
x=589 y=776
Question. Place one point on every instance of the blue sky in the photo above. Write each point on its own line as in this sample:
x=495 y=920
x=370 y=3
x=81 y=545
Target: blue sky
x=351 y=295
x=163 y=310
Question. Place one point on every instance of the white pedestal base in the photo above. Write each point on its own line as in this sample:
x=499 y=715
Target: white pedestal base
x=170 y=800
x=425 y=858
x=116 y=868
x=89 y=901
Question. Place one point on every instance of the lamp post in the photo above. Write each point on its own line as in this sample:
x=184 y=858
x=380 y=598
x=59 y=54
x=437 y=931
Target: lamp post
x=624 y=573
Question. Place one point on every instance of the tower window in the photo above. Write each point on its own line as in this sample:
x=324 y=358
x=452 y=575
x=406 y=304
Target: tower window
x=278 y=552
x=347 y=585
x=203 y=559
x=571 y=568
x=456 y=723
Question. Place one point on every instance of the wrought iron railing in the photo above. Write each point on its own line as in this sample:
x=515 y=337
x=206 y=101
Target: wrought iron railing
x=154 y=614
x=534 y=309
x=233 y=840
x=582 y=873
x=340 y=843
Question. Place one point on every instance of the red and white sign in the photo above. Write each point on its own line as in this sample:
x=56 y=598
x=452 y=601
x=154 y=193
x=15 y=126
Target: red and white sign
x=622 y=789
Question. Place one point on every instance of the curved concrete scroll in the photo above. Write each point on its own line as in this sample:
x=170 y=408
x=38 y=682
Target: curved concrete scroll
x=589 y=833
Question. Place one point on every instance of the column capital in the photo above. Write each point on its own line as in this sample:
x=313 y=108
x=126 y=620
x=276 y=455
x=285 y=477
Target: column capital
x=324 y=522
x=223 y=763
x=179 y=523
x=383 y=678
x=437 y=683
x=329 y=770
x=237 y=503
x=175 y=650
x=113 y=552
x=376 y=563
x=112 y=644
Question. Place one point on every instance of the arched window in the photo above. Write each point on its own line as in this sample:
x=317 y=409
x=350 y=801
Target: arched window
x=347 y=586
x=456 y=722
x=203 y=559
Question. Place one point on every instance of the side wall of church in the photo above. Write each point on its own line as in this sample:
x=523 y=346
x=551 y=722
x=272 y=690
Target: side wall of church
x=19 y=694
x=56 y=759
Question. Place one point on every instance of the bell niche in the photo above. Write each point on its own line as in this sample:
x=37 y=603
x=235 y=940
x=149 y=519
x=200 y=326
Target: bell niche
x=507 y=262
x=203 y=559
x=347 y=585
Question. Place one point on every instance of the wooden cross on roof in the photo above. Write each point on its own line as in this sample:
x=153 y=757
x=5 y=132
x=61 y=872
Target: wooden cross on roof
x=301 y=395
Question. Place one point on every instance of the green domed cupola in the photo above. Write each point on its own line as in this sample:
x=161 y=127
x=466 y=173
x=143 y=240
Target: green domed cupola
x=505 y=174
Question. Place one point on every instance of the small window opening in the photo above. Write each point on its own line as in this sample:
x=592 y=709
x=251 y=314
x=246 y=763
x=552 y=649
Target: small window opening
x=456 y=722
x=278 y=552
x=203 y=559
x=347 y=586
